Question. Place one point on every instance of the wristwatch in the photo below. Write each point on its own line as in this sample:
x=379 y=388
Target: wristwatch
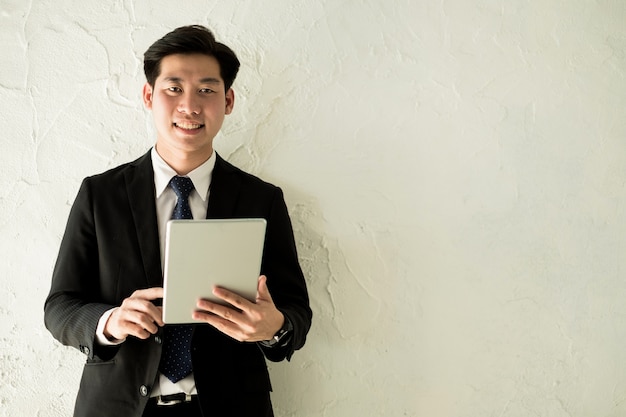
x=281 y=337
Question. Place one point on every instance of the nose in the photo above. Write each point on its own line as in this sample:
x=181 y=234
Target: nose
x=189 y=104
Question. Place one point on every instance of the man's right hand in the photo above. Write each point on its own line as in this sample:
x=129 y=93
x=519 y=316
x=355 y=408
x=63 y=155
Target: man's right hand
x=137 y=316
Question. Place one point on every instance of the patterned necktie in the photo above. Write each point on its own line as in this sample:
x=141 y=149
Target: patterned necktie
x=176 y=358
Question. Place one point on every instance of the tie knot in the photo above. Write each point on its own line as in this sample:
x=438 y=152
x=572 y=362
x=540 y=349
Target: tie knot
x=182 y=186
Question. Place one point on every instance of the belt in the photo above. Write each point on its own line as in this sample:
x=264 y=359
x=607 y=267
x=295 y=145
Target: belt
x=173 y=399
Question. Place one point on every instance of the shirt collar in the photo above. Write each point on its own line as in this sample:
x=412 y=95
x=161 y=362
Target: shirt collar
x=163 y=173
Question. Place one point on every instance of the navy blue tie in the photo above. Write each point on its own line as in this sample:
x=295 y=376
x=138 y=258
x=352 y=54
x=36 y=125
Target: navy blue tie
x=176 y=358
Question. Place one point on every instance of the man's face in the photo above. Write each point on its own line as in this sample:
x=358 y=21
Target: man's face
x=188 y=103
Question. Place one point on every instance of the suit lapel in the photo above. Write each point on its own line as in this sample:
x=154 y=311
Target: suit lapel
x=141 y=197
x=225 y=187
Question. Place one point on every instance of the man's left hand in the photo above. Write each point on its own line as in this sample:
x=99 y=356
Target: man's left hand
x=244 y=321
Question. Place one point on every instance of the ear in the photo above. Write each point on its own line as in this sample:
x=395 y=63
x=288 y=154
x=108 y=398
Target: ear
x=147 y=96
x=230 y=101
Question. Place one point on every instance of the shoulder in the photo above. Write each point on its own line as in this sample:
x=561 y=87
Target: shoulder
x=224 y=169
x=141 y=165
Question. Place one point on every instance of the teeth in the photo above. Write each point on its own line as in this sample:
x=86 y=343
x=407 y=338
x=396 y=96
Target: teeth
x=188 y=126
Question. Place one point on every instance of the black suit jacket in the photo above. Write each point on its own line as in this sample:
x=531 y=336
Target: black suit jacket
x=111 y=248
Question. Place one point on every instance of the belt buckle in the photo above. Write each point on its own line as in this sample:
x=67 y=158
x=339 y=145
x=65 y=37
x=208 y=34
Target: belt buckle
x=182 y=397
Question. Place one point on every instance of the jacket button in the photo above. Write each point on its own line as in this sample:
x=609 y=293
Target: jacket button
x=158 y=339
x=85 y=350
x=143 y=390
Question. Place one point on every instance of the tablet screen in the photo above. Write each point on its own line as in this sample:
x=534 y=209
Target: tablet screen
x=202 y=254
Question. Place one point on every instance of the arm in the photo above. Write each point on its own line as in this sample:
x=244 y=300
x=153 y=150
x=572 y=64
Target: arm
x=285 y=280
x=73 y=306
x=282 y=295
x=84 y=285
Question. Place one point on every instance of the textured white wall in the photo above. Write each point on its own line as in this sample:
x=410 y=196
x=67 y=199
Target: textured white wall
x=455 y=172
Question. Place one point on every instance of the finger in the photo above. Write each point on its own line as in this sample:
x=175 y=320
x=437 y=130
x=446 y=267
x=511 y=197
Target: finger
x=156 y=314
x=146 y=323
x=231 y=298
x=153 y=293
x=263 y=293
x=222 y=311
x=138 y=332
x=123 y=323
x=135 y=319
x=225 y=326
x=145 y=307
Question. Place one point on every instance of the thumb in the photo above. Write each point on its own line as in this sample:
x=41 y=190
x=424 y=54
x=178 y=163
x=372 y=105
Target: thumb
x=263 y=293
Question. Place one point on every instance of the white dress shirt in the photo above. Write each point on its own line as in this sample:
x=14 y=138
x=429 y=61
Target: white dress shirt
x=165 y=202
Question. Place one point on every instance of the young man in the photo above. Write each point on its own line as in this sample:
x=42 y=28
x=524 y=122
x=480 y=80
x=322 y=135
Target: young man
x=106 y=285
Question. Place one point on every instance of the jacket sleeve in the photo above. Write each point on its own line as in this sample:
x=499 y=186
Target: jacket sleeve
x=285 y=279
x=73 y=308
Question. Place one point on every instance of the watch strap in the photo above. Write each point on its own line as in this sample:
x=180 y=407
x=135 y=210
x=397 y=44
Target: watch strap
x=282 y=336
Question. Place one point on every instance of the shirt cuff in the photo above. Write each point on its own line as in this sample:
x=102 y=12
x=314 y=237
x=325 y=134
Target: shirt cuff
x=101 y=339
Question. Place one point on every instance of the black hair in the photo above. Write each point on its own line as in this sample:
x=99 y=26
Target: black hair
x=194 y=39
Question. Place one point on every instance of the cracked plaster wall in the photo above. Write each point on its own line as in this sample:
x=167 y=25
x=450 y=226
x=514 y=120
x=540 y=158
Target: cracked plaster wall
x=455 y=172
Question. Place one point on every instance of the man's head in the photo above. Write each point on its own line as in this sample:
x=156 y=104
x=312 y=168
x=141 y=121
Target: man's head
x=190 y=40
x=188 y=89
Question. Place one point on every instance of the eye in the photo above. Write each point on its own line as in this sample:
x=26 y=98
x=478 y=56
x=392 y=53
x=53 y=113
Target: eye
x=174 y=89
x=206 y=91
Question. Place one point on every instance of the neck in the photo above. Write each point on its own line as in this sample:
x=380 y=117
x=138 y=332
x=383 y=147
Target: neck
x=183 y=162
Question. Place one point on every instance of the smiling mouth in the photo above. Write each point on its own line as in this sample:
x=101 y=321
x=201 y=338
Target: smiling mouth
x=188 y=126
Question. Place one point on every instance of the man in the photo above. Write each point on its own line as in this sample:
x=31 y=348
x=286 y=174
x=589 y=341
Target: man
x=106 y=285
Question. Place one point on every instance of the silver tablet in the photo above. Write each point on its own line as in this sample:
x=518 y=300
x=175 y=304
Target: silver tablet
x=202 y=254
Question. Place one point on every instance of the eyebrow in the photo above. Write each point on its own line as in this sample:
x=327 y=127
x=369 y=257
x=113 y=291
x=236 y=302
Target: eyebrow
x=206 y=80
